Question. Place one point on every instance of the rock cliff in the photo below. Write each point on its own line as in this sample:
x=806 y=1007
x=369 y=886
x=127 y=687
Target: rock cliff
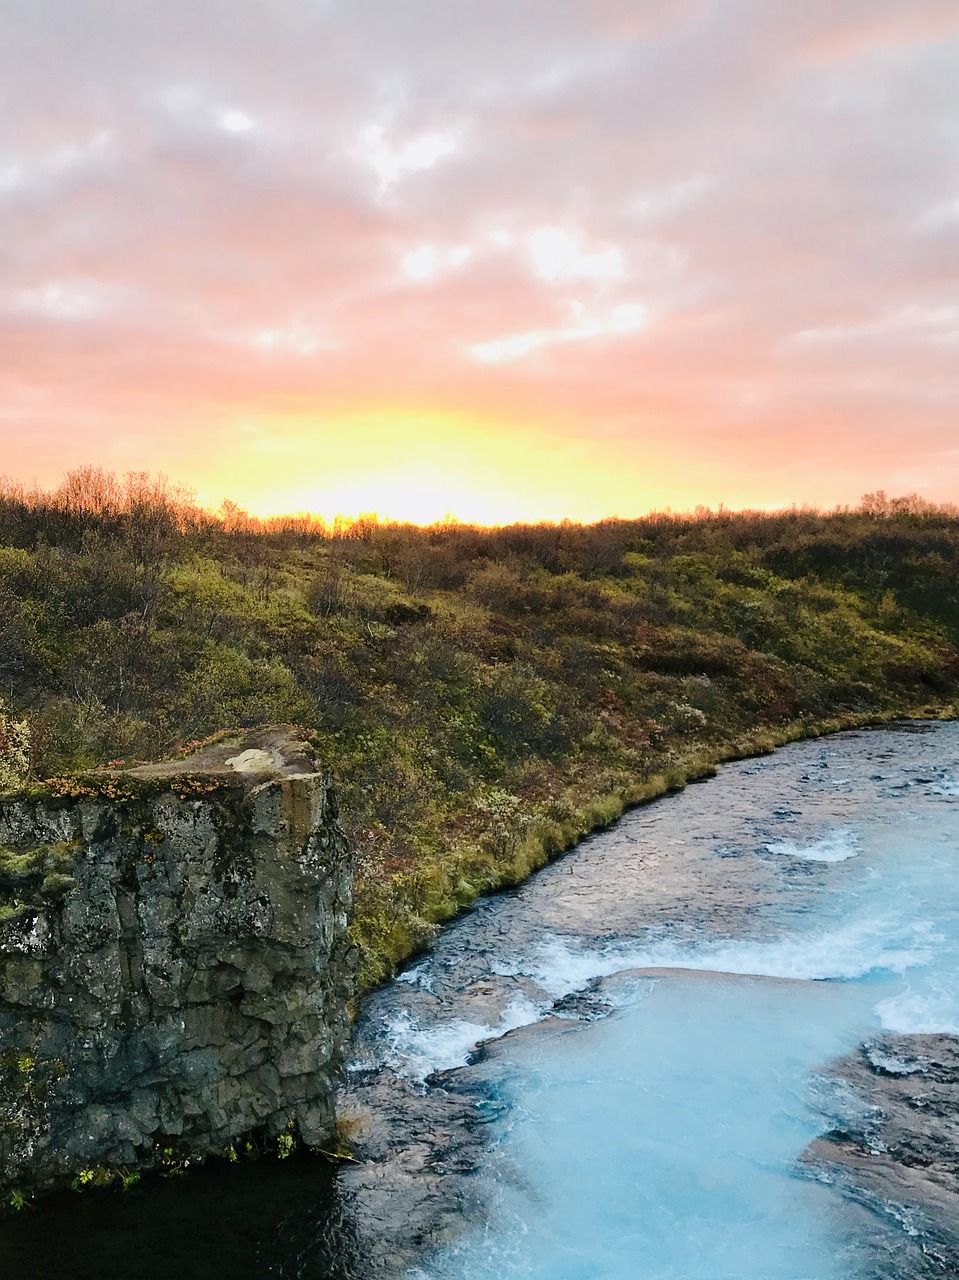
x=174 y=966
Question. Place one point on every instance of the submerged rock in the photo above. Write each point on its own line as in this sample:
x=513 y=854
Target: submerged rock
x=896 y=1147
x=174 y=966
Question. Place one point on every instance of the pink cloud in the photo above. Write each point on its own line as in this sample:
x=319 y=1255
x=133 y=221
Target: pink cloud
x=682 y=231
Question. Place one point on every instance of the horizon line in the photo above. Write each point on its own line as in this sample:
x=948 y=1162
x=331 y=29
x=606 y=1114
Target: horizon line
x=94 y=490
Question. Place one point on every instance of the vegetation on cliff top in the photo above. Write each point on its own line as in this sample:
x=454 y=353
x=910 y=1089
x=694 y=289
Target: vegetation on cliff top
x=484 y=696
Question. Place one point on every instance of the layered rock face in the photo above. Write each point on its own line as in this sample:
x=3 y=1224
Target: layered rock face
x=174 y=967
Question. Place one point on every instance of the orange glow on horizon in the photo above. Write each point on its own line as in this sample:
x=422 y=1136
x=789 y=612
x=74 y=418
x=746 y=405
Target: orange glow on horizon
x=422 y=467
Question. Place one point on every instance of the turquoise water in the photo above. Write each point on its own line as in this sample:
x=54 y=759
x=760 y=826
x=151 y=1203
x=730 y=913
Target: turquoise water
x=779 y=916
x=662 y=1142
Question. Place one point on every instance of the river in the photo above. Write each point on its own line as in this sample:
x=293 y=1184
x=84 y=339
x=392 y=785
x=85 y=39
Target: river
x=664 y=1003
x=761 y=925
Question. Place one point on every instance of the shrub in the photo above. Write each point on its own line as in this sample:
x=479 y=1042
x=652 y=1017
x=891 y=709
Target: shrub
x=14 y=750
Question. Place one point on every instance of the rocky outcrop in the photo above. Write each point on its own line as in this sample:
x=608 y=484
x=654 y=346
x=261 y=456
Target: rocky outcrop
x=411 y=1186
x=896 y=1148
x=174 y=966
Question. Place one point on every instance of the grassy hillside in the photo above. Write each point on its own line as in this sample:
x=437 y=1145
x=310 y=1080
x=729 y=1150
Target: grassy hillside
x=484 y=696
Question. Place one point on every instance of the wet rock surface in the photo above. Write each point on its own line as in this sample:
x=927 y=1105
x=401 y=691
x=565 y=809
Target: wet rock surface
x=410 y=1188
x=174 y=968
x=896 y=1148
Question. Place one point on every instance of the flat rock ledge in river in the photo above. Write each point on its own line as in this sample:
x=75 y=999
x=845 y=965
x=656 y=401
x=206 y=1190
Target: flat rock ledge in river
x=896 y=1148
x=174 y=965
x=412 y=1187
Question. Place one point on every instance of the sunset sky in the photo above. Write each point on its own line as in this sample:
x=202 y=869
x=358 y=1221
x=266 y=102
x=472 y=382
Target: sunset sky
x=506 y=259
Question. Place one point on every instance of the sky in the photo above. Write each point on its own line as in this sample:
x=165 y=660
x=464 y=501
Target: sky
x=498 y=259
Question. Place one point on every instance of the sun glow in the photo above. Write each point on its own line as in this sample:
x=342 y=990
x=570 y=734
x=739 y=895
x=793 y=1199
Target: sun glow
x=422 y=467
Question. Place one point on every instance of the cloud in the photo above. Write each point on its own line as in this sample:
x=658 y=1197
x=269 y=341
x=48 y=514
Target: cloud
x=392 y=160
x=427 y=261
x=914 y=321
x=658 y=202
x=560 y=255
x=301 y=339
x=47 y=167
x=68 y=300
x=235 y=211
x=628 y=317
x=234 y=121
x=942 y=216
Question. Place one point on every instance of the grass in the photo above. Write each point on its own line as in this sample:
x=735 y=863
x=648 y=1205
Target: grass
x=484 y=697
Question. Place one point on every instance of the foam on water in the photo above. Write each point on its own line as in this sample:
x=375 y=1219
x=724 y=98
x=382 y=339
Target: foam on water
x=946 y=787
x=415 y=1051
x=560 y=967
x=418 y=976
x=854 y=950
x=912 y=1012
x=835 y=846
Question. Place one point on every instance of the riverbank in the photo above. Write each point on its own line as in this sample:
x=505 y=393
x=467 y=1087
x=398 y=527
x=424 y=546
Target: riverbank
x=446 y=886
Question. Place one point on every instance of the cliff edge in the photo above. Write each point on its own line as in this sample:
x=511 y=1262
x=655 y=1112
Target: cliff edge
x=174 y=966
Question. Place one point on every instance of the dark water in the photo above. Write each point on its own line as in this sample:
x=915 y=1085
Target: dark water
x=255 y=1219
x=778 y=915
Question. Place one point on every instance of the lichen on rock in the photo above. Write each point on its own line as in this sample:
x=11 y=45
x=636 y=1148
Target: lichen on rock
x=175 y=973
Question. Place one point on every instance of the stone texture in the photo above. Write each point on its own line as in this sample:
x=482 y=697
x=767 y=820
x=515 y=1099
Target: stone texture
x=175 y=973
x=412 y=1187
x=896 y=1149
